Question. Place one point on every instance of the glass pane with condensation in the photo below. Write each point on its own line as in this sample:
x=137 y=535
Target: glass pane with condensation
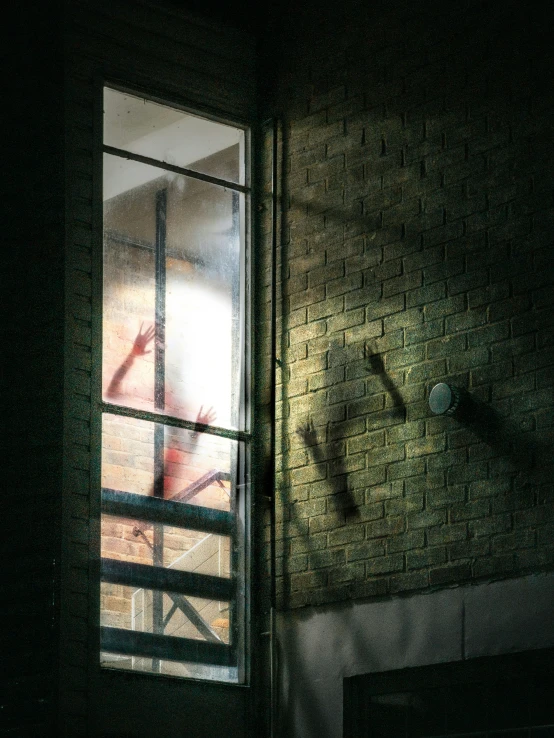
x=194 y=551
x=169 y=135
x=132 y=608
x=129 y=292
x=173 y=313
x=204 y=353
x=198 y=468
x=138 y=541
x=210 y=672
x=198 y=471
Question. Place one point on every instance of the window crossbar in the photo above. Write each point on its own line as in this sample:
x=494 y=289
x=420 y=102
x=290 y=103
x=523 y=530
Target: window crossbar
x=167 y=512
x=169 y=648
x=144 y=576
x=177 y=170
x=153 y=417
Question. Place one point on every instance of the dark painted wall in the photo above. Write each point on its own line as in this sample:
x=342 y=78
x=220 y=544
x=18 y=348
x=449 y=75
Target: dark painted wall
x=55 y=59
x=32 y=347
x=319 y=648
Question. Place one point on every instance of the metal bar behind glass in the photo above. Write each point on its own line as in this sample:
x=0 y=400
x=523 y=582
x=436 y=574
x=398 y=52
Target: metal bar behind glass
x=159 y=400
x=167 y=512
x=173 y=168
x=193 y=489
x=212 y=430
x=190 y=612
x=169 y=648
x=157 y=578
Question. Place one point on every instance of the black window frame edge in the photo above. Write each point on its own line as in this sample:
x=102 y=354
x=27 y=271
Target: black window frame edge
x=150 y=90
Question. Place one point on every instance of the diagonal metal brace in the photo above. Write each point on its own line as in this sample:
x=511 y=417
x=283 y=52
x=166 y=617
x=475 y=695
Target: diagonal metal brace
x=193 y=615
x=193 y=489
x=169 y=615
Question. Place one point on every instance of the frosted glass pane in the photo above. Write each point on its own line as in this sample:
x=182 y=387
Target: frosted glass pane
x=198 y=469
x=159 y=132
x=173 y=279
x=172 y=668
x=130 y=608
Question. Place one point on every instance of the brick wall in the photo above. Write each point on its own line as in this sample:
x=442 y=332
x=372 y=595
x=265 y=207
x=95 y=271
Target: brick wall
x=416 y=247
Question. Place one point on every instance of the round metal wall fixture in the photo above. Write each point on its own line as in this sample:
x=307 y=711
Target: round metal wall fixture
x=444 y=399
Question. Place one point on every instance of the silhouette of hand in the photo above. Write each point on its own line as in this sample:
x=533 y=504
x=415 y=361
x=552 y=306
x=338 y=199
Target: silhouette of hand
x=142 y=340
x=307 y=433
x=205 y=418
x=375 y=360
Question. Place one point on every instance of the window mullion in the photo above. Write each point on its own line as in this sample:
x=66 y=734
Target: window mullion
x=159 y=403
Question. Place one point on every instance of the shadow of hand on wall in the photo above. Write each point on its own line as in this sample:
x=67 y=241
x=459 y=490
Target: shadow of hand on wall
x=342 y=499
x=308 y=435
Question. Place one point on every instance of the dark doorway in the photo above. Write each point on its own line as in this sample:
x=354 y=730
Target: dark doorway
x=496 y=697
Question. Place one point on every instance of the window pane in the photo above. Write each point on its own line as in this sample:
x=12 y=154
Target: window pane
x=197 y=469
x=143 y=127
x=134 y=541
x=194 y=536
x=129 y=283
x=173 y=550
x=130 y=608
x=127 y=454
x=172 y=668
x=172 y=286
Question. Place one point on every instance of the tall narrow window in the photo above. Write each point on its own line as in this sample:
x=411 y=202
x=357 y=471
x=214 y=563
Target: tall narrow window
x=175 y=423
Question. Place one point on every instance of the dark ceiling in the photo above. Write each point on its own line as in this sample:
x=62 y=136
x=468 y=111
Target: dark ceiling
x=238 y=14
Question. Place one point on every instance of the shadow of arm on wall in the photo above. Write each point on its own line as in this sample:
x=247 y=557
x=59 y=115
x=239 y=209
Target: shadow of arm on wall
x=343 y=500
x=376 y=366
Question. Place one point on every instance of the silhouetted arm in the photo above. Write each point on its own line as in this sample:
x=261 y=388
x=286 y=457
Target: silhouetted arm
x=344 y=500
x=139 y=349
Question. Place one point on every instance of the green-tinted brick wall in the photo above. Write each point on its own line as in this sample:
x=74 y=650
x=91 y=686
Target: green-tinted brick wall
x=416 y=220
